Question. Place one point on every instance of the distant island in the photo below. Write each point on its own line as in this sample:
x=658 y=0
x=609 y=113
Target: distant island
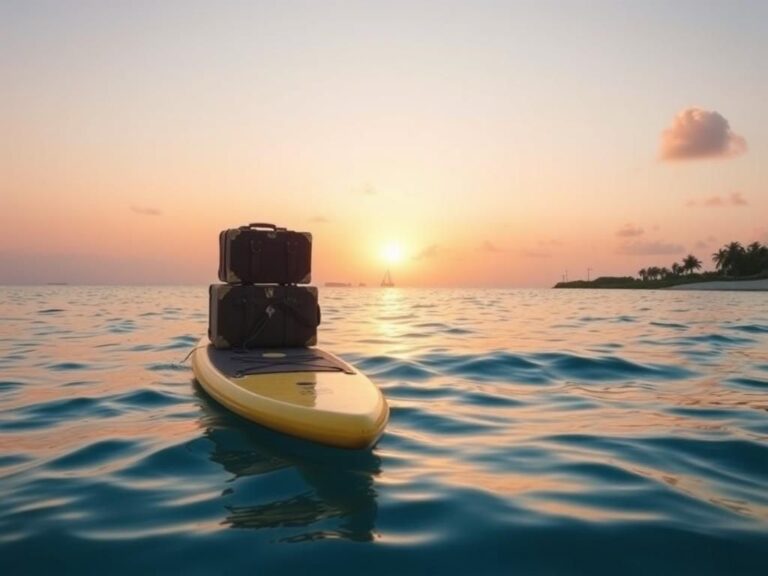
x=733 y=262
x=344 y=285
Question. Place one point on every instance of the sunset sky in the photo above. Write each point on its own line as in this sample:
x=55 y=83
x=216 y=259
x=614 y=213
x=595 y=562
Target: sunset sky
x=496 y=143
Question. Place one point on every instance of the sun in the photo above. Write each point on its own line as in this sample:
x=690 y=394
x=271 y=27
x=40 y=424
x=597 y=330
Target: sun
x=392 y=253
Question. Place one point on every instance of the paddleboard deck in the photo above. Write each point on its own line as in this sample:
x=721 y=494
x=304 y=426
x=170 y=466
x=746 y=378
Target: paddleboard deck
x=305 y=392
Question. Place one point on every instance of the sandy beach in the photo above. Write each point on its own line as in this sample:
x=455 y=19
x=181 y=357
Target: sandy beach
x=749 y=285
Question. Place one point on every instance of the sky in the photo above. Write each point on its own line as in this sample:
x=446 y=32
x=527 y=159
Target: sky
x=495 y=143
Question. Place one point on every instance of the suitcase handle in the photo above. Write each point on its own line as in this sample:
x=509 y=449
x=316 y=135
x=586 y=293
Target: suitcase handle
x=261 y=225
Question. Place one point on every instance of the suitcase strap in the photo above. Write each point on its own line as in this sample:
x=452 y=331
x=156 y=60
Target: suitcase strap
x=254 y=326
x=239 y=363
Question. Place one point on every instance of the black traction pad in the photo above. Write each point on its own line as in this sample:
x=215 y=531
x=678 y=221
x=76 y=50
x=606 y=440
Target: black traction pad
x=237 y=362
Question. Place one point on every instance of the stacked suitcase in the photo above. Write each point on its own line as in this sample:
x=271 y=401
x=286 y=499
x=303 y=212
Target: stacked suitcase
x=260 y=304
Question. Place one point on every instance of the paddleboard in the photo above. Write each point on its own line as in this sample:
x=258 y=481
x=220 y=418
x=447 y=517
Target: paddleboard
x=304 y=392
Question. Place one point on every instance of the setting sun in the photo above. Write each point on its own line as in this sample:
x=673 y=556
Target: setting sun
x=392 y=253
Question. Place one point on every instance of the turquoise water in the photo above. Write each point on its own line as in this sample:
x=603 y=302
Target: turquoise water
x=589 y=432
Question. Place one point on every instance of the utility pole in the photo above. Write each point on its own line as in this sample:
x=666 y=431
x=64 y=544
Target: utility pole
x=588 y=271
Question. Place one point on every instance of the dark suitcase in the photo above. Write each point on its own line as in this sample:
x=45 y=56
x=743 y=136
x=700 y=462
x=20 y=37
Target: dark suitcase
x=258 y=316
x=265 y=254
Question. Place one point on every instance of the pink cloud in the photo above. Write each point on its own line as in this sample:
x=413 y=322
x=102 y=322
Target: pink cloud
x=733 y=199
x=737 y=199
x=697 y=133
x=431 y=251
x=629 y=231
x=489 y=247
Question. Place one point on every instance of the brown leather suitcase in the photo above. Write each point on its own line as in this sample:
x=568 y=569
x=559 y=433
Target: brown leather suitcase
x=258 y=316
x=265 y=254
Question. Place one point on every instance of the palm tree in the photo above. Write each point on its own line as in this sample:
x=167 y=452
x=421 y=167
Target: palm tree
x=676 y=269
x=734 y=261
x=643 y=273
x=691 y=263
x=664 y=272
x=755 y=258
x=720 y=258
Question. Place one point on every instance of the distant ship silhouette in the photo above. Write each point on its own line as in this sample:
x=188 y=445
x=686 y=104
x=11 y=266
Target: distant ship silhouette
x=387 y=280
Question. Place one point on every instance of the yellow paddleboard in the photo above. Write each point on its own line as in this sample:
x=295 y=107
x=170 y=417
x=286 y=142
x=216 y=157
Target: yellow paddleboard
x=304 y=392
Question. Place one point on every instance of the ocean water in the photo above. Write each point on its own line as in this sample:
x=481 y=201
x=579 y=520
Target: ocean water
x=532 y=432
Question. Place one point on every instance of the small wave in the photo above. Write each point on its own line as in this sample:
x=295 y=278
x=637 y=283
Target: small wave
x=395 y=368
x=181 y=343
x=10 y=386
x=68 y=366
x=405 y=390
x=611 y=368
x=10 y=460
x=80 y=383
x=432 y=325
x=394 y=317
x=148 y=399
x=490 y=400
x=168 y=461
x=716 y=339
x=493 y=366
x=431 y=328
x=604 y=473
x=69 y=407
x=433 y=422
x=122 y=327
x=51 y=311
x=93 y=455
x=703 y=412
x=749 y=382
x=376 y=341
x=458 y=331
x=751 y=328
x=167 y=366
x=672 y=325
x=415 y=335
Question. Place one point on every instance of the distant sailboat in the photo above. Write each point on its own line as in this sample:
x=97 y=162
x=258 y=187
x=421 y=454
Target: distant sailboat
x=387 y=280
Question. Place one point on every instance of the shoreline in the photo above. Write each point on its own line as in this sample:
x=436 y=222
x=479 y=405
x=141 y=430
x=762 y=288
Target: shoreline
x=735 y=285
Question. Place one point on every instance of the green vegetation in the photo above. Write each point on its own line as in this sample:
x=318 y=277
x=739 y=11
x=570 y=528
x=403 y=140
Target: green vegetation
x=735 y=260
x=732 y=262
